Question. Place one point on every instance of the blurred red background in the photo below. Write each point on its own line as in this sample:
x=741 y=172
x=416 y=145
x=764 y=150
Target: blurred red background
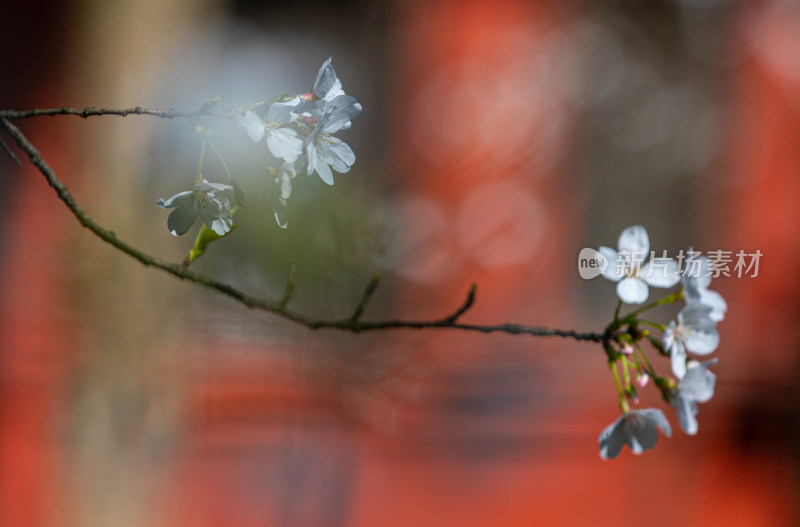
x=497 y=140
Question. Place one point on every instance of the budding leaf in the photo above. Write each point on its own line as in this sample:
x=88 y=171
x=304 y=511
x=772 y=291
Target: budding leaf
x=204 y=237
x=210 y=104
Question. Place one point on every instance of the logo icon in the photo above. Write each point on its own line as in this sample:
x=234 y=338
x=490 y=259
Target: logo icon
x=591 y=263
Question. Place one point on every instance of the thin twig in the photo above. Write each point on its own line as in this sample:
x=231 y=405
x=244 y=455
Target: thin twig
x=11 y=154
x=351 y=323
x=368 y=292
x=463 y=308
x=287 y=295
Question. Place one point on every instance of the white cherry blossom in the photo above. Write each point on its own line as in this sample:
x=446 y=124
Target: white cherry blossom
x=326 y=151
x=204 y=200
x=697 y=386
x=695 y=331
x=626 y=267
x=636 y=428
x=696 y=279
x=282 y=141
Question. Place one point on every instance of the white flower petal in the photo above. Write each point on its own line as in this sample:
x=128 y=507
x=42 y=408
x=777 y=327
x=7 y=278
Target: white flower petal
x=222 y=225
x=698 y=384
x=613 y=271
x=612 y=439
x=661 y=272
x=338 y=112
x=635 y=241
x=687 y=412
x=281 y=112
x=701 y=342
x=327 y=85
x=715 y=301
x=281 y=192
x=696 y=270
x=695 y=316
x=633 y=291
x=311 y=156
x=284 y=186
x=677 y=354
x=215 y=211
x=669 y=335
x=657 y=418
x=208 y=186
x=181 y=219
x=284 y=143
x=324 y=172
x=176 y=200
x=254 y=126
x=644 y=434
x=339 y=155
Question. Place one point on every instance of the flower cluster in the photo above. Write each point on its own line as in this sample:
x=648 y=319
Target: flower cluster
x=299 y=133
x=694 y=331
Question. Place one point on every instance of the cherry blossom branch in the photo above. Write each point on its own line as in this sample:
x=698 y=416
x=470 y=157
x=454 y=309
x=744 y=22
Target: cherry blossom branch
x=352 y=323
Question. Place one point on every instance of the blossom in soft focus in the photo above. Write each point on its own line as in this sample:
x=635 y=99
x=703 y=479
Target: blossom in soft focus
x=326 y=151
x=636 y=428
x=282 y=190
x=253 y=125
x=282 y=141
x=695 y=331
x=627 y=269
x=204 y=200
x=696 y=279
x=327 y=85
x=697 y=386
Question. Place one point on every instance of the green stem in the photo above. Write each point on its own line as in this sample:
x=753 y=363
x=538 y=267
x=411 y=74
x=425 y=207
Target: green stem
x=669 y=299
x=646 y=361
x=626 y=376
x=623 y=404
x=221 y=160
x=260 y=162
x=633 y=363
x=656 y=325
x=199 y=175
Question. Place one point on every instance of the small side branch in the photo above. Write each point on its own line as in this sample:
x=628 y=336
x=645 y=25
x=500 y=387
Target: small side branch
x=287 y=295
x=365 y=297
x=463 y=308
x=10 y=153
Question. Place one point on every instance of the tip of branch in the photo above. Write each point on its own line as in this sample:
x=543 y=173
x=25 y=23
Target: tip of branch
x=10 y=153
x=465 y=306
x=368 y=292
